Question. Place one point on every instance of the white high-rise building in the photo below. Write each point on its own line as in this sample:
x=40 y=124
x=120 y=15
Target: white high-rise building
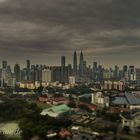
x=72 y=80
x=46 y=75
x=99 y=99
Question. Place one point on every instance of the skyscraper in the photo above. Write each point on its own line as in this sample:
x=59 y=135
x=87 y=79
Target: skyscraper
x=4 y=64
x=28 y=69
x=116 y=73
x=17 y=72
x=81 y=57
x=132 y=73
x=81 y=65
x=46 y=75
x=75 y=64
x=95 y=71
x=63 y=61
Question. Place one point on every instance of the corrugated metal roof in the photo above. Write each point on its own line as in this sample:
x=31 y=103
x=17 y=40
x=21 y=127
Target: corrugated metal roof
x=132 y=99
x=120 y=101
x=57 y=109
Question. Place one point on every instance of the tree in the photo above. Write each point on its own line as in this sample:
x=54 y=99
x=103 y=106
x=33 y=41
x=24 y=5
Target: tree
x=126 y=129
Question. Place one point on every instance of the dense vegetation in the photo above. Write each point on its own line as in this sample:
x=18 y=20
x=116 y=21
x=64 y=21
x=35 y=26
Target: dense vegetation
x=30 y=121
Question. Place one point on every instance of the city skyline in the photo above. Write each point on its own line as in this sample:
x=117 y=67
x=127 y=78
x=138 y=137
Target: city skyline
x=107 y=31
x=58 y=62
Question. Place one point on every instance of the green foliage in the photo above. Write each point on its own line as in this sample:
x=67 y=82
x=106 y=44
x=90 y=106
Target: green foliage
x=2 y=137
x=126 y=129
x=109 y=116
x=79 y=90
x=30 y=121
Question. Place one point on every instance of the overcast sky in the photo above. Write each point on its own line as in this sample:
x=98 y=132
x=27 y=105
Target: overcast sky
x=108 y=31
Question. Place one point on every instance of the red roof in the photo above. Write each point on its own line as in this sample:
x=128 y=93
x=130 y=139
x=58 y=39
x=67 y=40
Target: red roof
x=92 y=107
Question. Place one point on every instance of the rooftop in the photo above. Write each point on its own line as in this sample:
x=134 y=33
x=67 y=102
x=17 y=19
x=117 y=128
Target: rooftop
x=128 y=98
x=55 y=110
x=131 y=98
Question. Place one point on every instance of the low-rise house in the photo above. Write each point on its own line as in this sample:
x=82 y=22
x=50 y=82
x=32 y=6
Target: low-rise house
x=131 y=119
x=99 y=99
x=54 y=100
x=129 y=100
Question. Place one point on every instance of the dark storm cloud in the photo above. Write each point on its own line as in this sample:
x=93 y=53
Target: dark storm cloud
x=54 y=27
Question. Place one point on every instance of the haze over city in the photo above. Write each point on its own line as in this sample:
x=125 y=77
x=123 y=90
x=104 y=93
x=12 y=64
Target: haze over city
x=42 y=30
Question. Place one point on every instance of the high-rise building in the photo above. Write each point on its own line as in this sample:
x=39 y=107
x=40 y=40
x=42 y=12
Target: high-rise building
x=81 y=65
x=100 y=73
x=46 y=75
x=75 y=65
x=95 y=71
x=28 y=69
x=125 y=73
x=63 y=61
x=24 y=74
x=125 y=68
x=116 y=73
x=138 y=74
x=72 y=80
x=132 y=73
x=56 y=73
x=4 y=64
x=69 y=70
x=32 y=73
x=17 y=72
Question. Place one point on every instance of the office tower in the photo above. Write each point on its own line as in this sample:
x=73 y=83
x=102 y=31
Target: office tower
x=95 y=71
x=84 y=69
x=56 y=73
x=81 y=65
x=28 y=69
x=125 y=73
x=72 y=80
x=100 y=73
x=75 y=65
x=46 y=75
x=95 y=65
x=116 y=73
x=69 y=70
x=62 y=68
x=108 y=74
x=9 y=77
x=40 y=73
x=132 y=73
x=138 y=74
x=81 y=57
x=4 y=64
x=24 y=74
x=32 y=73
x=17 y=72
x=63 y=61
x=84 y=72
x=125 y=68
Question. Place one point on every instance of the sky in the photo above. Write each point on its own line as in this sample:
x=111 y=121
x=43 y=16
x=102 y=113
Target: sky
x=107 y=31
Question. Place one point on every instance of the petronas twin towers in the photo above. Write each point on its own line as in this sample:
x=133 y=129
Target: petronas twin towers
x=78 y=72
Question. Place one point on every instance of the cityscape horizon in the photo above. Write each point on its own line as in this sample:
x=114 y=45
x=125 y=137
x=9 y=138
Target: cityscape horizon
x=57 y=62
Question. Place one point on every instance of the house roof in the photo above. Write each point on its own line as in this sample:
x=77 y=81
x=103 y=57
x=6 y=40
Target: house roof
x=55 y=110
x=129 y=98
x=120 y=101
x=132 y=99
x=59 y=109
